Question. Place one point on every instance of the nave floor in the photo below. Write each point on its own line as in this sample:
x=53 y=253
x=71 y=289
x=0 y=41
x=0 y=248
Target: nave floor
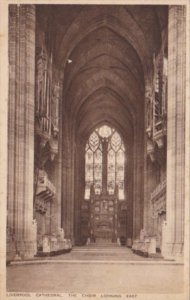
x=96 y=270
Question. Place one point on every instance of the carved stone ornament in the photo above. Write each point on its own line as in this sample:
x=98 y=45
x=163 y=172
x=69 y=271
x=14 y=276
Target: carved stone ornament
x=149 y=132
x=159 y=138
x=151 y=149
x=53 y=143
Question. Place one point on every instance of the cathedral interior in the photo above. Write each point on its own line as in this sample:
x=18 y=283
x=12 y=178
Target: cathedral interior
x=96 y=129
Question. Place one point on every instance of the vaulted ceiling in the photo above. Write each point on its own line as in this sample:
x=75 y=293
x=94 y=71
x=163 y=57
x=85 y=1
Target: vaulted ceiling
x=111 y=48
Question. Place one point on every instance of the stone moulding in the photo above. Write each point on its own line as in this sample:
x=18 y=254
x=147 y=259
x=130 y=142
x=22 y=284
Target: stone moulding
x=158 y=199
x=45 y=187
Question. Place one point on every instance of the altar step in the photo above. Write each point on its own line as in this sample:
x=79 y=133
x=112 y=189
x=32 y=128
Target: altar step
x=99 y=253
x=105 y=251
x=99 y=248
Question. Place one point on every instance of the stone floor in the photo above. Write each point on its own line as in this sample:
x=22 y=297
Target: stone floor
x=99 y=253
x=87 y=271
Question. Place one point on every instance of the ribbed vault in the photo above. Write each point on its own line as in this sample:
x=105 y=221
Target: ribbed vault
x=111 y=49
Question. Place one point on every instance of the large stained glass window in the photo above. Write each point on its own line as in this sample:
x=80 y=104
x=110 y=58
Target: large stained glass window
x=105 y=162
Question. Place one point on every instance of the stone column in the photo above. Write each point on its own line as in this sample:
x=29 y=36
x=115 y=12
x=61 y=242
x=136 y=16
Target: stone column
x=65 y=167
x=129 y=188
x=149 y=178
x=175 y=133
x=72 y=187
x=79 y=187
x=138 y=177
x=68 y=180
x=21 y=128
x=56 y=172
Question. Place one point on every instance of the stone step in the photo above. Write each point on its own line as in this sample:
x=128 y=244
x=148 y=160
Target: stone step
x=99 y=249
x=100 y=246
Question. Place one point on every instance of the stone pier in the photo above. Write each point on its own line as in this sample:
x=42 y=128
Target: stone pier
x=20 y=223
x=174 y=227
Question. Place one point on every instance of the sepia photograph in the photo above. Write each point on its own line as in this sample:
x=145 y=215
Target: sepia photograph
x=95 y=150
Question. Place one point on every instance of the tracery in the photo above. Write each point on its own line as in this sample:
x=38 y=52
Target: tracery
x=104 y=151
